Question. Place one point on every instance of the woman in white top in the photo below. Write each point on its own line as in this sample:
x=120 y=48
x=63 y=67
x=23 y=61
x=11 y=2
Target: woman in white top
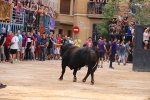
x=13 y=47
x=146 y=36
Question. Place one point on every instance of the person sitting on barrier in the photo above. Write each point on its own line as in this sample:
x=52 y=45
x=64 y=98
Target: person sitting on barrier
x=29 y=12
x=132 y=32
x=34 y=9
x=146 y=36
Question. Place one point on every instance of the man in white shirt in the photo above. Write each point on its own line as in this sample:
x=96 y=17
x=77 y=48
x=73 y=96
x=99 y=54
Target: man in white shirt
x=146 y=36
x=13 y=47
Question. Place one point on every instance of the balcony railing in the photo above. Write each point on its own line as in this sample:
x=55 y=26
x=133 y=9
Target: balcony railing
x=94 y=7
x=17 y=16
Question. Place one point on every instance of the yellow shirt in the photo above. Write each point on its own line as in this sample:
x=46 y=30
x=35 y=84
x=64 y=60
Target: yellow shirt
x=77 y=42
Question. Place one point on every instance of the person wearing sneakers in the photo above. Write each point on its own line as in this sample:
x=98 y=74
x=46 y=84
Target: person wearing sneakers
x=121 y=52
x=19 y=45
x=24 y=44
x=28 y=46
x=113 y=49
x=2 y=85
x=2 y=42
x=32 y=57
x=13 y=47
x=101 y=49
x=7 y=45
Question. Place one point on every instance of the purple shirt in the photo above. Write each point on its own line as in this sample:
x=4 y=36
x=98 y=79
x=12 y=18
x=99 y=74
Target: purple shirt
x=114 y=47
x=101 y=46
x=24 y=40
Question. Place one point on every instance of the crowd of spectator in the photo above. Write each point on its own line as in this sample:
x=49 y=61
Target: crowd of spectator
x=109 y=51
x=31 y=11
x=32 y=46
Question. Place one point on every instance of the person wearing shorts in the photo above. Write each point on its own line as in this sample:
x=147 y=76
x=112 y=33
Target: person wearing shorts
x=19 y=45
x=32 y=57
x=108 y=50
x=57 y=49
x=50 y=47
x=146 y=36
x=127 y=51
x=24 y=43
x=101 y=48
x=13 y=47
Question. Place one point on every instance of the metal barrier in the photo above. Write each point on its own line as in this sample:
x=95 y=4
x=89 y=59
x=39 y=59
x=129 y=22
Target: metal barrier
x=17 y=16
x=5 y=26
x=12 y=27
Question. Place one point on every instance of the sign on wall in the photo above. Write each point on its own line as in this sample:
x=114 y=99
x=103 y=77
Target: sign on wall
x=81 y=23
x=76 y=29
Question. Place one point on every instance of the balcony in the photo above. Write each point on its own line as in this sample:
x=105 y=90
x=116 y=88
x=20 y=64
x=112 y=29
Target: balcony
x=65 y=19
x=94 y=9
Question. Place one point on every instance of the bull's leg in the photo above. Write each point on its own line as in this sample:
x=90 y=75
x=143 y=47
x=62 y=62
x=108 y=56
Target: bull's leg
x=92 y=75
x=92 y=78
x=63 y=71
x=74 y=73
x=88 y=73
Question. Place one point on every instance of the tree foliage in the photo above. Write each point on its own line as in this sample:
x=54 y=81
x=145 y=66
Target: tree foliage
x=141 y=13
x=108 y=13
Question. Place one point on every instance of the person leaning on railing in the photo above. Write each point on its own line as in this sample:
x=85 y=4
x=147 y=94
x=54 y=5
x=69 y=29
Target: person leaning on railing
x=47 y=20
x=18 y=12
x=39 y=13
x=34 y=8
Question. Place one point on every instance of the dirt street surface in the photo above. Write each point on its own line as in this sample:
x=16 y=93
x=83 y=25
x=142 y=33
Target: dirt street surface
x=34 y=80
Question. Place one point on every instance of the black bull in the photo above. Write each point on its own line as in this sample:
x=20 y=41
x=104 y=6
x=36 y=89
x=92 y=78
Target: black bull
x=75 y=58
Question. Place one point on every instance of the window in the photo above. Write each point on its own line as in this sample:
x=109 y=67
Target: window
x=73 y=7
x=61 y=31
x=65 y=6
x=69 y=33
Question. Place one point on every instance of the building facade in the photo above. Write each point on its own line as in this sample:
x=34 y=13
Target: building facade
x=81 y=13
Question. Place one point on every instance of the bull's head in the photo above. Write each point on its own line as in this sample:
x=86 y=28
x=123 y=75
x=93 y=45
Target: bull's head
x=64 y=48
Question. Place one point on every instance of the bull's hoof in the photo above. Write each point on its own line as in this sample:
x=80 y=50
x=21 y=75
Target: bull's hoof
x=60 y=79
x=74 y=79
x=83 y=80
x=92 y=83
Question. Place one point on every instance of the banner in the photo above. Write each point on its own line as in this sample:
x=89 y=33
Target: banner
x=52 y=23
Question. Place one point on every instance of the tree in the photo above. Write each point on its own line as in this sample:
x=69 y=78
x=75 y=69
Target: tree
x=108 y=13
x=140 y=11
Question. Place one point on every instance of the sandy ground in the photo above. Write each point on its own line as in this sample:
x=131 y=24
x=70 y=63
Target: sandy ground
x=34 y=80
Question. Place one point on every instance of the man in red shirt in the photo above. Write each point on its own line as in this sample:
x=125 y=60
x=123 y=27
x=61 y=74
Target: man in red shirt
x=7 y=45
x=57 y=48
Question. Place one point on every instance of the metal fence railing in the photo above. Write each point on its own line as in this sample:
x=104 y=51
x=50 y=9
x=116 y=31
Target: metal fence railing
x=94 y=7
x=17 y=16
